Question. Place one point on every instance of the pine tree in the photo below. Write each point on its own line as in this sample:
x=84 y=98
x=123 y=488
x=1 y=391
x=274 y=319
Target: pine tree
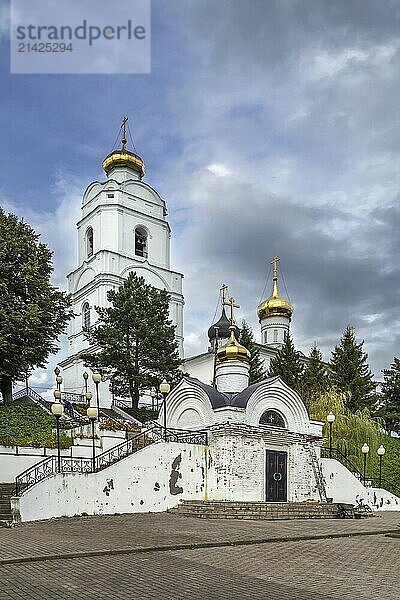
x=390 y=409
x=287 y=364
x=315 y=378
x=350 y=372
x=134 y=339
x=257 y=372
x=33 y=313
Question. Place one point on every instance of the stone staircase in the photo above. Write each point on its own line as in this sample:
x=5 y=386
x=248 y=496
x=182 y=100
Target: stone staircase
x=6 y=491
x=254 y=510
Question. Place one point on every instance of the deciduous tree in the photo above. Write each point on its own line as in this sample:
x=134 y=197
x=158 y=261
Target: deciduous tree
x=33 y=313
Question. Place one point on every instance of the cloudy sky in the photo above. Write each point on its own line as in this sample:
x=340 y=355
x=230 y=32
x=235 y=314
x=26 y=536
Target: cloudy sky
x=269 y=126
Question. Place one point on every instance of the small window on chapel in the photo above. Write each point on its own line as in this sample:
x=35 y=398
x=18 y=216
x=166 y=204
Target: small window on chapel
x=89 y=242
x=272 y=417
x=275 y=335
x=141 y=242
x=86 y=316
x=266 y=337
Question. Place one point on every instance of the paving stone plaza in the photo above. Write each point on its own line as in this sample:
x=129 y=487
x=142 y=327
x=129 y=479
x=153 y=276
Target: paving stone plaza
x=171 y=557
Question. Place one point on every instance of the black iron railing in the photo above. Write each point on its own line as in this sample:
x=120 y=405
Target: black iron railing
x=49 y=466
x=369 y=481
x=71 y=397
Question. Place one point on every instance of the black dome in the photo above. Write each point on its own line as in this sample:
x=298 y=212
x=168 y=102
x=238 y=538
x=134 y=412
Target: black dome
x=223 y=328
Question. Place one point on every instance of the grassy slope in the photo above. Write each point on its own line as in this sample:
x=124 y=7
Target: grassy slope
x=25 y=424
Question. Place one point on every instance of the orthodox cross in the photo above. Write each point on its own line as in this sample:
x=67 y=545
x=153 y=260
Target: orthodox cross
x=232 y=304
x=123 y=127
x=223 y=289
x=275 y=263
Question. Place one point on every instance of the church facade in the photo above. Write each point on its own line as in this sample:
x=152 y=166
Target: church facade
x=123 y=229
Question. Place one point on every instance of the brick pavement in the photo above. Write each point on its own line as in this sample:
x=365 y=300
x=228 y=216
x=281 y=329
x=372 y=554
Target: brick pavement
x=356 y=568
x=149 y=530
x=360 y=568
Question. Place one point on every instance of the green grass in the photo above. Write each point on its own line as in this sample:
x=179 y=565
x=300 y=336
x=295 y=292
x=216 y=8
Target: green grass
x=23 y=423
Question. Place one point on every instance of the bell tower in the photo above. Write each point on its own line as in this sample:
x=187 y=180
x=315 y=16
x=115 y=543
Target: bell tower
x=123 y=228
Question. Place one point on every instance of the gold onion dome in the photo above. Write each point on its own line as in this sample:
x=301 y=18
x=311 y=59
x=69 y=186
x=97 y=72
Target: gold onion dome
x=275 y=305
x=232 y=350
x=123 y=157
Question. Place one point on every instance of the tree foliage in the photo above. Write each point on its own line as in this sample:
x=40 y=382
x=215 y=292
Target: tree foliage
x=315 y=379
x=33 y=313
x=390 y=408
x=351 y=373
x=287 y=364
x=133 y=341
x=257 y=372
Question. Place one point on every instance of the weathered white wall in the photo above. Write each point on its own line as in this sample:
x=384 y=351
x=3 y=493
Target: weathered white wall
x=237 y=465
x=382 y=500
x=151 y=480
x=341 y=484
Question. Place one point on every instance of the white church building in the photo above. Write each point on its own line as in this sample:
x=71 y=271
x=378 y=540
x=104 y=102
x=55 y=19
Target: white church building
x=123 y=229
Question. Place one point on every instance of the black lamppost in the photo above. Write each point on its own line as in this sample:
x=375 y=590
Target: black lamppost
x=85 y=376
x=57 y=409
x=381 y=451
x=331 y=419
x=96 y=380
x=58 y=378
x=164 y=389
x=88 y=397
x=93 y=414
x=153 y=394
x=365 y=450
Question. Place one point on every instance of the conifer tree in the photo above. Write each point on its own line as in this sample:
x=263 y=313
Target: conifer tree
x=315 y=378
x=257 y=372
x=350 y=372
x=287 y=364
x=33 y=313
x=134 y=340
x=390 y=409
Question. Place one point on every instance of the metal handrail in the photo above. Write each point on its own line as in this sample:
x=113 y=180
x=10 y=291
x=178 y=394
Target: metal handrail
x=387 y=483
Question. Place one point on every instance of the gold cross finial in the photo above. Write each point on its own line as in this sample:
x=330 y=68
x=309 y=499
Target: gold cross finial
x=123 y=127
x=275 y=263
x=224 y=289
x=231 y=303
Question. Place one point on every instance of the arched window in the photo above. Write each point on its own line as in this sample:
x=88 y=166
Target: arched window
x=266 y=337
x=86 y=316
x=272 y=417
x=141 y=242
x=89 y=242
x=275 y=335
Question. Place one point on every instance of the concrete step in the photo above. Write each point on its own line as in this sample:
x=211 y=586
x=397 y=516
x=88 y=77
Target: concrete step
x=255 y=510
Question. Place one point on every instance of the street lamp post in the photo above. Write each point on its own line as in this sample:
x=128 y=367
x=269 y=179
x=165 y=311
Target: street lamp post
x=365 y=450
x=381 y=451
x=96 y=380
x=58 y=378
x=153 y=395
x=88 y=397
x=164 y=389
x=85 y=376
x=331 y=419
x=57 y=409
x=93 y=414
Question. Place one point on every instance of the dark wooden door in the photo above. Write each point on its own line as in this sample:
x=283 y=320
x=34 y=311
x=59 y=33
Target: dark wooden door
x=276 y=476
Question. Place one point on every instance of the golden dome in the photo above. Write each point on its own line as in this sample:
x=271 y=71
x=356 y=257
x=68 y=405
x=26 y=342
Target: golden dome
x=232 y=350
x=123 y=158
x=275 y=305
